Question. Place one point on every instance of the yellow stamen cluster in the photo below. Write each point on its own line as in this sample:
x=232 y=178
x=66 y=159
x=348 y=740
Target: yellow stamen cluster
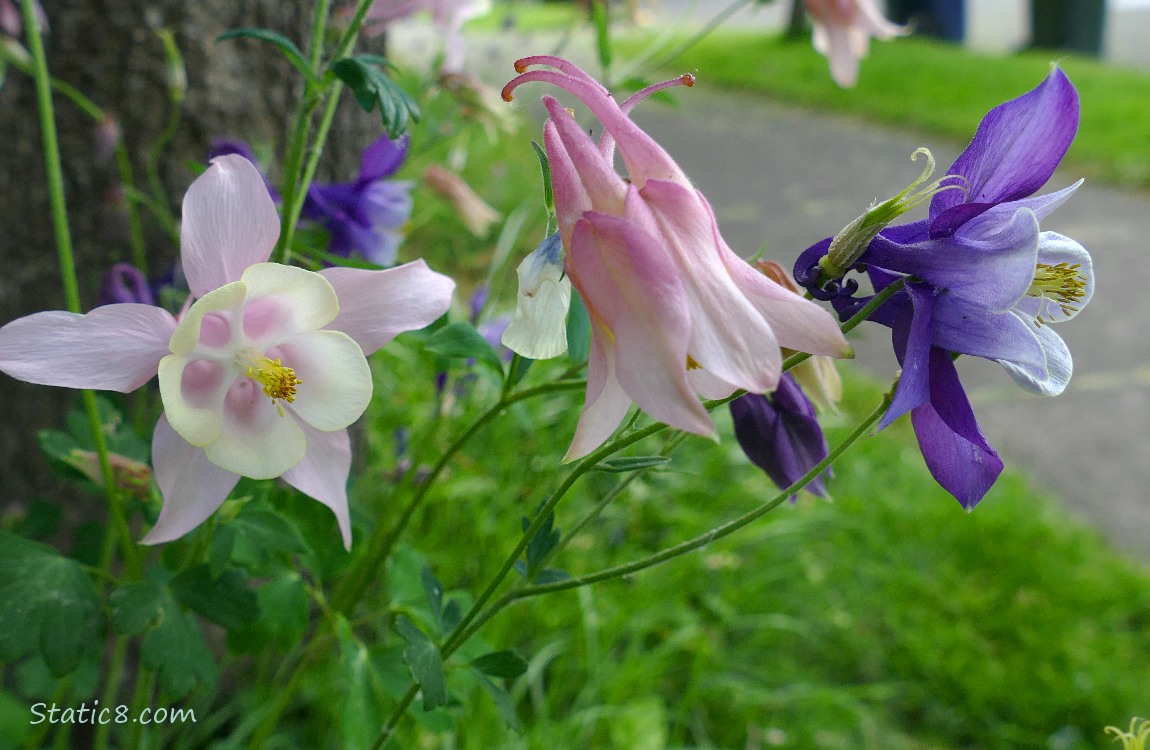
x=692 y=364
x=1062 y=284
x=279 y=382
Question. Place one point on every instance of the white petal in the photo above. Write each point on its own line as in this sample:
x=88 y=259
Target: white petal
x=283 y=300
x=187 y=334
x=194 y=398
x=335 y=380
x=255 y=439
x=539 y=328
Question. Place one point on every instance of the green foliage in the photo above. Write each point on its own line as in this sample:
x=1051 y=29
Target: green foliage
x=461 y=341
x=172 y=645
x=422 y=655
x=286 y=46
x=373 y=88
x=48 y=606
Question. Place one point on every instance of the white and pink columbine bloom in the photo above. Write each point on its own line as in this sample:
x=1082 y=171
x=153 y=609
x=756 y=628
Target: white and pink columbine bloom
x=260 y=376
x=842 y=32
x=675 y=313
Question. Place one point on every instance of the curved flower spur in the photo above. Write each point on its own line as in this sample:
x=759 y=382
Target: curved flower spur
x=262 y=374
x=674 y=311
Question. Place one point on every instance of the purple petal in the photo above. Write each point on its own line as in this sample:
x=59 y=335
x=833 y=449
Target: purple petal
x=323 y=472
x=966 y=329
x=954 y=448
x=1017 y=146
x=383 y=158
x=112 y=348
x=192 y=486
x=912 y=337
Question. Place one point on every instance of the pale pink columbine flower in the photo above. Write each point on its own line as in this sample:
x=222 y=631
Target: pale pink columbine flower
x=674 y=311
x=12 y=20
x=842 y=32
x=449 y=17
x=262 y=374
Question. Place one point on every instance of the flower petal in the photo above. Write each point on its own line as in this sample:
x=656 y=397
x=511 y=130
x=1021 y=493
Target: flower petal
x=114 y=347
x=335 y=380
x=1052 y=377
x=284 y=300
x=954 y=448
x=193 y=392
x=629 y=284
x=965 y=329
x=1017 y=146
x=1054 y=249
x=375 y=306
x=322 y=474
x=192 y=487
x=256 y=440
x=912 y=343
x=229 y=223
x=383 y=158
x=606 y=402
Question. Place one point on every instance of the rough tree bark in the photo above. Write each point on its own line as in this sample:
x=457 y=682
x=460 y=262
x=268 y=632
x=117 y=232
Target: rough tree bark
x=110 y=51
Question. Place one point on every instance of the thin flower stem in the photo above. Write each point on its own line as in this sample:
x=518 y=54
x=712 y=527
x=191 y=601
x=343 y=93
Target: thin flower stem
x=682 y=548
x=111 y=688
x=291 y=217
x=67 y=262
x=355 y=583
x=393 y=720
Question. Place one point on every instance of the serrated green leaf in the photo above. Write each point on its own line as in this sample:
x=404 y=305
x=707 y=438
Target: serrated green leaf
x=623 y=464
x=506 y=664
x=48 y=605
x=285 y=45
x=224 y=600
x=462 y=341
x=173 y=646
x=425 y=661
x=373 y=88
x=284 y=605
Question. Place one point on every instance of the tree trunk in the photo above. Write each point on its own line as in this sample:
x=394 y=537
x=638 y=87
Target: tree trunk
x=109 y=49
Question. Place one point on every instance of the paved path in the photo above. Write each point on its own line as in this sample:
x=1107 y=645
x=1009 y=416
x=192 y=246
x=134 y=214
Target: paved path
x=789 y=176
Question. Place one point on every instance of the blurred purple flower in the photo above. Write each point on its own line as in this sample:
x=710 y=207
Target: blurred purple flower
x=366 y=216
x=781 y=435
x=125 y=283
x=12 y=20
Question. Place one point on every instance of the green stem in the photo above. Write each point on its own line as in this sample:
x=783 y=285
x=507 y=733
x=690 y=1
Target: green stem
x=379 y=546
x=111 y=689
x=67 y=262
x=292 y=213
x=684 y=547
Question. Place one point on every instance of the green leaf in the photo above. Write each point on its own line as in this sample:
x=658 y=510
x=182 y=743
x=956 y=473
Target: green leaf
x=502 y=702
x=372 y=87
x=434 y=591
x=462 y=341
x=624 y=464
x=261 y=535
x=225 y=600
x=173 y=646
x=284 y=606
x=545 y=168
x=578 y=329
x=545 y=539
x=48 y=605
x=425 y=661
x=285 y=45
x=550 y=575
x=359 y=727
x=519 y=367
x=507 y=664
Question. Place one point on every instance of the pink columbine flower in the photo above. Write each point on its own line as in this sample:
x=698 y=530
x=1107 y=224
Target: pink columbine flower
x=674 y=311
x=261 y=375
x=842 y=32
x=449 y=17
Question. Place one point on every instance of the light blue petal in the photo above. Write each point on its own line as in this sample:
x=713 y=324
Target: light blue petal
x=1053 y=378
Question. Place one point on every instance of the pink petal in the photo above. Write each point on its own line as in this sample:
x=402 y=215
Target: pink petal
x=376 y=306
x=627 y=281
x=229 y=223
x=571 y=198
x=283 y=300
x=335 y=380
x=323 y=472
x=729 y=337
x=192 y=487
x=113 y=348
x=603 y=185
x=606 y=403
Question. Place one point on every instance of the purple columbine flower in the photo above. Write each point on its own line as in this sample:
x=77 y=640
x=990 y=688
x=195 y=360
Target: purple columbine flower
x=781 y=435
x=366 y=216
x=981 y=279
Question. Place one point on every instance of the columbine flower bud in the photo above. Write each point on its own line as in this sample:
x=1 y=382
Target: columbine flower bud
x=852 y=241
x=474 y=212
x=539 y=328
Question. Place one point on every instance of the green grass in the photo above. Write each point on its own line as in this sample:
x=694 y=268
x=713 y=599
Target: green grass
x=936 y=88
